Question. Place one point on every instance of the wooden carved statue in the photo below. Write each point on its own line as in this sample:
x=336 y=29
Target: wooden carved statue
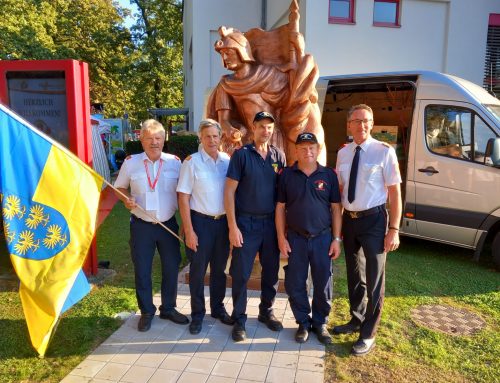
x=271 y=73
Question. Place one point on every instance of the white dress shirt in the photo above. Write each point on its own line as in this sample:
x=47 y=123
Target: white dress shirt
x=377 y=169
x=203 y=178
x=160 y=202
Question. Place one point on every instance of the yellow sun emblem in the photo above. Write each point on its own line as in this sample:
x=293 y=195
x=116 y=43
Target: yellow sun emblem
x=54 y=237
x=9 y=235
x=13 y=207
x=37 y=217
x=26 y=242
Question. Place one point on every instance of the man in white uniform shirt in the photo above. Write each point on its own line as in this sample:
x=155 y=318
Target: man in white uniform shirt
x=201 y=204
x=369 y=175
x=152 y=177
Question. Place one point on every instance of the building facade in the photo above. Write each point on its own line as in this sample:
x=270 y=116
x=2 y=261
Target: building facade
x=459 y=37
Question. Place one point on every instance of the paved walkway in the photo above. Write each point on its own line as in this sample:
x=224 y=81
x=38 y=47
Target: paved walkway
x=169 y=353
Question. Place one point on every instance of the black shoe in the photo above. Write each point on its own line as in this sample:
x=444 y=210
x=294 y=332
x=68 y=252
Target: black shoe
x=360 y=348
x=347 y=328
x=239 y=334
x=322 y=334
x=175 y=316
x=145 y=322
x=224 y=317
x=195 y=327
x=302 y=333
x=271 y=322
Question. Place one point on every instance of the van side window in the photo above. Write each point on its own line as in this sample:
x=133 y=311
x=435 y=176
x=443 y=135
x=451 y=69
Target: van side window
x=482 y=133
x=456 y=132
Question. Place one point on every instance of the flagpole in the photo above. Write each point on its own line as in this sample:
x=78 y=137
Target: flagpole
x=144 y=211
x=83 y=164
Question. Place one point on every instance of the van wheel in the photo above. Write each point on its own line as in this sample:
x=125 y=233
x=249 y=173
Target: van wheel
x=495 y=250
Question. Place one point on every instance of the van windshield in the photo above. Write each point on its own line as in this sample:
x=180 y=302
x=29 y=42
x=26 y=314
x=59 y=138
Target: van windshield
x=495 y=110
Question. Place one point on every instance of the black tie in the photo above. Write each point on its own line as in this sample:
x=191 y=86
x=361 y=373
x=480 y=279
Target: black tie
x=351 y=193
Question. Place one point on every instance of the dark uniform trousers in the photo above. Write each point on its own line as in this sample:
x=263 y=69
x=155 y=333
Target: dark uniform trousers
x=365 y=262
x=259 y=235
x=213 y=249
x=145 y=238
x=313 y=251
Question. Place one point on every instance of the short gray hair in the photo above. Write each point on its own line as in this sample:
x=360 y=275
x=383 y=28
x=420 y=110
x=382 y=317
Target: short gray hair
x=358 y=107
x=151 y=126
x=209 y=123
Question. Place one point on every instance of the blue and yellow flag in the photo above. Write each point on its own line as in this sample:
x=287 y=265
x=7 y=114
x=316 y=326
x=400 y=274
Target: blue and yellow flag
x=49 y=206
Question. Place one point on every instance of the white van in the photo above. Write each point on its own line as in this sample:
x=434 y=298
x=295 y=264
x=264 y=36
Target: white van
x=446 y=132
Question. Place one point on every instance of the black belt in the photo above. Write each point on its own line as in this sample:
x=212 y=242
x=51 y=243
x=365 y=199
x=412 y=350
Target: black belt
x=257 y=216
x=363 y=213
x=308 y=235
x=214 y=217
x=136 y=218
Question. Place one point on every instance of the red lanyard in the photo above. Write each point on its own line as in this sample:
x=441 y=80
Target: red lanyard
x=153 y=185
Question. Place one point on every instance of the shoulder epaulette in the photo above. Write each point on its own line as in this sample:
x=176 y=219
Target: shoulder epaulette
x=177 y=158
x=188 y=157
x=385 y=144
x=129 y=157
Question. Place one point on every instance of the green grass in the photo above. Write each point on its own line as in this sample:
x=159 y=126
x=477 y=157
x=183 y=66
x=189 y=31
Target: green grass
x=419 y=273
x=423 y=273
x=84 y=326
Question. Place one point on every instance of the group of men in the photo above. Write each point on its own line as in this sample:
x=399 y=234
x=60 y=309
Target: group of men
x=254 y=204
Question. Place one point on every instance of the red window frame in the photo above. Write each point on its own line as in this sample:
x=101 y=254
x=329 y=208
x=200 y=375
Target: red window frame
x=342 y=20
x=396 y=22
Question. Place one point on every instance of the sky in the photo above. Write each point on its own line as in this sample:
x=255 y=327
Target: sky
x=129 y=21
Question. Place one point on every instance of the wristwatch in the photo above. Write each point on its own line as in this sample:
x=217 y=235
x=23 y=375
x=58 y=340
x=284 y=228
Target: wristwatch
x=338 y=239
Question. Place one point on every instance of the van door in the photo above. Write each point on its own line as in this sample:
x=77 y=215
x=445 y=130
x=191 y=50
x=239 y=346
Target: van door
x=456 y=186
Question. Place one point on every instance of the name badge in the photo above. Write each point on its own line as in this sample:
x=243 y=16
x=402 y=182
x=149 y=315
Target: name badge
x=151 y=200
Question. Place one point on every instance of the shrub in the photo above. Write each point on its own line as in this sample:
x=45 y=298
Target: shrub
x=181 y=146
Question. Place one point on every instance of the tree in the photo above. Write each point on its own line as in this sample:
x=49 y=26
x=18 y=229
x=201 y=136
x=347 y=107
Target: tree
x=157 y=35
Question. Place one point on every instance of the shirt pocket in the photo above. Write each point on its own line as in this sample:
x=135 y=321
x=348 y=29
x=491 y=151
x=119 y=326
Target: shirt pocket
x=204 y=181
x=372 y=172
x=169 y=180
x=138 y=184
x=344 y=170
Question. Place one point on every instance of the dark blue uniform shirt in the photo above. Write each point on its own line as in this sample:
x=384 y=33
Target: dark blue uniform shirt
x=308 y=199
x=257 y=179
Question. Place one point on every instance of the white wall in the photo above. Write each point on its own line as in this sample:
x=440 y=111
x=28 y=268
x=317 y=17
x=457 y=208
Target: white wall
x=207 y=16
x=441 y=35
x=465 y=54
x=364 y=48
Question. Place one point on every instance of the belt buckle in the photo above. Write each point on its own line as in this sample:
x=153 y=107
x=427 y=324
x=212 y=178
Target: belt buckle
x=218 y=216
x=353 y=214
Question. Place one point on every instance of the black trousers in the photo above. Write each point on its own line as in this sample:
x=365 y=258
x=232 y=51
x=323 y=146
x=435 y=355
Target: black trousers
x=145 y=238
x=259 y=235
x=365 y=262
x=305 y=252
x=213 y=249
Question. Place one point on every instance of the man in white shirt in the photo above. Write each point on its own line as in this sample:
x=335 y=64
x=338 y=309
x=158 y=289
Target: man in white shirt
x=369 y=176
x=152 y=178
x=201 y=204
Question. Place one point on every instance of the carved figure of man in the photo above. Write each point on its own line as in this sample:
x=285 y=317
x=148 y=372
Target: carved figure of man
x=284 y=88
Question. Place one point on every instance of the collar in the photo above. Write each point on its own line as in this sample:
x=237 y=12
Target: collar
x=206 y=157
x=364 y=146
x=319 y=169
x=144 y=156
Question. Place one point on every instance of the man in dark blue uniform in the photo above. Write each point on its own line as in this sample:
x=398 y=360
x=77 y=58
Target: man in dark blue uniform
x=308 y=223
x=250 y=201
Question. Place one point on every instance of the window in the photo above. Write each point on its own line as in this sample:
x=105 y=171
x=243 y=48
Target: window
x=491 y=79
x=386 y=13
x=341 y=11
x=457 y=132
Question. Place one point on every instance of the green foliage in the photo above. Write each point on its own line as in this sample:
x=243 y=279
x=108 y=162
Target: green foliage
x=181 y=146
x=83 y=327
x=130 y=70
x=420 y=273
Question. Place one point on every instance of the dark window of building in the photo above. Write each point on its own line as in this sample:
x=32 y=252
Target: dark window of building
x=386 y=13
x=341 y=11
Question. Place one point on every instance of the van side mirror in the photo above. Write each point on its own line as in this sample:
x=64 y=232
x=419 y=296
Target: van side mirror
x=493 y=151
